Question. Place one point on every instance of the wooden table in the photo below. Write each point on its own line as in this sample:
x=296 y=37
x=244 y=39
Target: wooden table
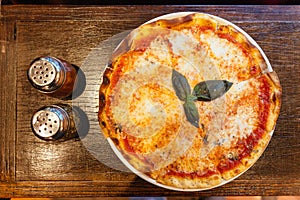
x=30 y=167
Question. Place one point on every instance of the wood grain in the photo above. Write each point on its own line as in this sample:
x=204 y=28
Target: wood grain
x=8 y=101
x=82 y=35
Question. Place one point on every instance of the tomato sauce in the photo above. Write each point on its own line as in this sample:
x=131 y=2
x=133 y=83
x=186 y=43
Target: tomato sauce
x=191 y=175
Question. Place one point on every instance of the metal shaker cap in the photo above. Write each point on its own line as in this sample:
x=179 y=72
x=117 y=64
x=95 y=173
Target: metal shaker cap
x=50 y=123
x=46 y=74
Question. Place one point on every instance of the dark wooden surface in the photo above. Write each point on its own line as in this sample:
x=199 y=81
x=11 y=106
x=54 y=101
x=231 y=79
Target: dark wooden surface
x=30 y=167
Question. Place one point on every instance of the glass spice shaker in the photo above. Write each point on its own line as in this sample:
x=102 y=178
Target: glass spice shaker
x=56 y=122
x=53 y=76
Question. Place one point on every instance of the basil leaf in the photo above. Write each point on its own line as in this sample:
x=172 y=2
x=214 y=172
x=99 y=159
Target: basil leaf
x=211 y=89
x=191 y=113
x=180 y=85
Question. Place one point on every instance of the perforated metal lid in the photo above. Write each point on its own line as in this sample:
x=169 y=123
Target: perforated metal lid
x=46 y=74
x=50 y=122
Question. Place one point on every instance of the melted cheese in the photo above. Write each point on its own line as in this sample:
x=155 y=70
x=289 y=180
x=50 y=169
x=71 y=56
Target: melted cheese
x=231 y=117
x=149 y=112
x=231 y=59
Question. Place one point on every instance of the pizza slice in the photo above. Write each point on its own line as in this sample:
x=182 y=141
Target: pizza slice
x=234 y=135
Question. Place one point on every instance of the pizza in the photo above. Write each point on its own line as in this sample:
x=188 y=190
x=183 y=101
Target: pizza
x=189 y=101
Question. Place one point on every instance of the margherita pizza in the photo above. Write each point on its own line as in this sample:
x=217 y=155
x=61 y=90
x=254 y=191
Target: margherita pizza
x=189 y=100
